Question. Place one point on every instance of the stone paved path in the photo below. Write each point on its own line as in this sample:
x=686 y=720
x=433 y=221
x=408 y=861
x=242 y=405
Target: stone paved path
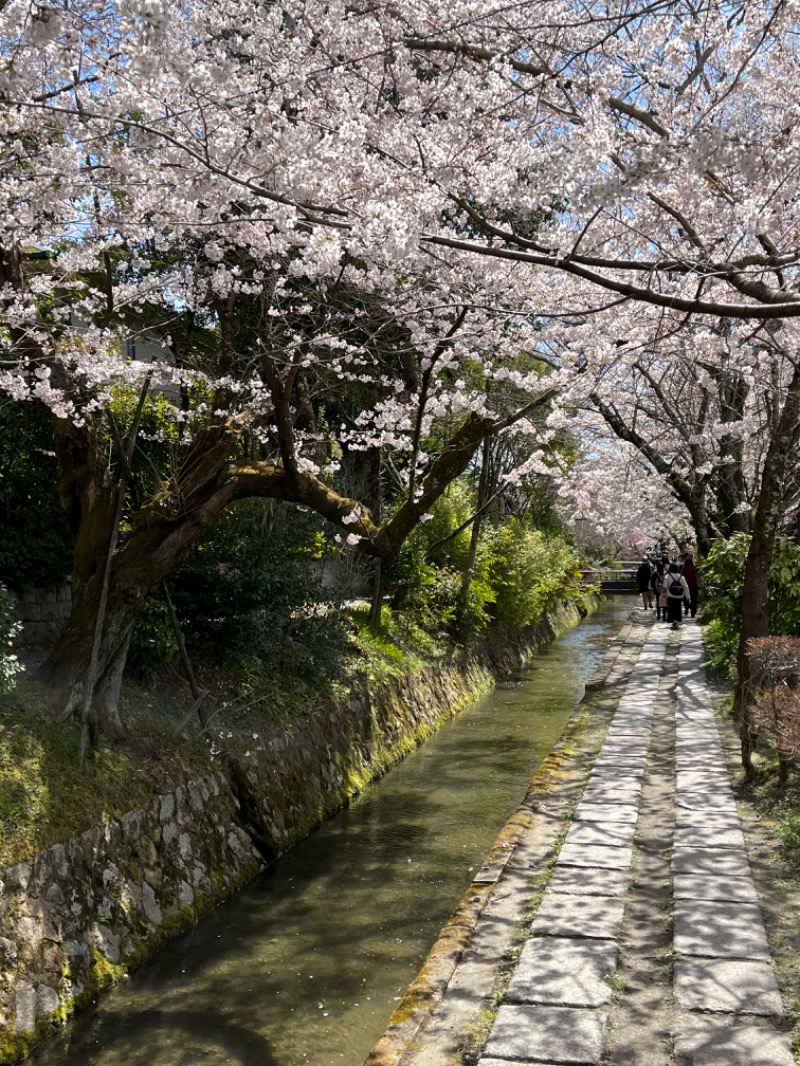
x=722 y=1006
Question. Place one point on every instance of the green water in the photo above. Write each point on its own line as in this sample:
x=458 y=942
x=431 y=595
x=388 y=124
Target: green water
x=304 y=966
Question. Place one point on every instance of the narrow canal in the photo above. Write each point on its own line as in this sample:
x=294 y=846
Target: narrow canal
x=304 y=966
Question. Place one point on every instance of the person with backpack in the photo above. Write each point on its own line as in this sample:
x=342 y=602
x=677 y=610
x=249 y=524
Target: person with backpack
x=677 y=591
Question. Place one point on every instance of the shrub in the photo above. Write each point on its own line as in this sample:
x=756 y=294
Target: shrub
x=529 y=574
x=723 y=579
x=519 y=572
x=426 y=577
x=154 y=642
x=10 y=665
x=248 y=588
x=35 y=543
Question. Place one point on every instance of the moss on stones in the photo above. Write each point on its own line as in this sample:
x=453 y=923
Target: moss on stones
x=134 y=869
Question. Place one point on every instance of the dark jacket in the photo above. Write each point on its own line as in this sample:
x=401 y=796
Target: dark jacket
x=690 y=573
x=643 y=575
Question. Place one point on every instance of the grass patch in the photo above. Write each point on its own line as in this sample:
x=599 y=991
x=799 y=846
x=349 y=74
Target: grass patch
x=392 y=648
x=778 y=806
x=45 y=797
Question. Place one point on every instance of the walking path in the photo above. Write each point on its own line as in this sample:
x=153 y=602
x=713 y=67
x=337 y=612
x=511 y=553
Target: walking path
x=646 y=946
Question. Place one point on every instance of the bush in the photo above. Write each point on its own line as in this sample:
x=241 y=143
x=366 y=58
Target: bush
x=244 y=589
x=529 y=574
x=519 y=572
x=426 y=577
x=154 y=642
x=10 y=666
x=723 y=579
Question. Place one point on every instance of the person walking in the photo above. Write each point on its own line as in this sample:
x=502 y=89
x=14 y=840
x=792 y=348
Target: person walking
x=643 y=575
x=656 y=582
x=676 y=592
x=690 y=576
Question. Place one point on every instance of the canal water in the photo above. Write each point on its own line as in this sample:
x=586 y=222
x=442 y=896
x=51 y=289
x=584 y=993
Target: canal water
x=304 y=966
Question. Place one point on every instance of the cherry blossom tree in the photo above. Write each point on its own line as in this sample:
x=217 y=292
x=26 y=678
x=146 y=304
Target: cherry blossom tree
x=237 y=171
x=696 y=405
x=613 y=497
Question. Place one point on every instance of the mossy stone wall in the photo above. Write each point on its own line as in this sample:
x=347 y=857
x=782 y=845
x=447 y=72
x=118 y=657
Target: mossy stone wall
x=77 y=916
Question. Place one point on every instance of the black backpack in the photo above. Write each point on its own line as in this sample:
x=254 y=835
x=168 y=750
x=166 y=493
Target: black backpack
x=675 y=589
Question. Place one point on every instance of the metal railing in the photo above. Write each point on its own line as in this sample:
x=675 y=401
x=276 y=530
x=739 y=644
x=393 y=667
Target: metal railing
x=624 y=572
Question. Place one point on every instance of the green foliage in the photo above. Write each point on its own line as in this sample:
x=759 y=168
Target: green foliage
x=529 y=574
x=249 y=586
x=383 y=654
x=784 y=588
x=426 y=578
x=9 y=664
x=268 y=691
x=154 y=642
x=789 y=829
x=519 y=573
x=393 y=647
x=722 y=643
x=45 y=796
x=723 y=578
x=431 y=596
x=35 y=543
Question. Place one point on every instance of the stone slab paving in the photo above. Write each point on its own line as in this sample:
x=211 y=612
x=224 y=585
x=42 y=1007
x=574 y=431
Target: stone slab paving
x=728 y=862
x=596 y=917
x=612 y=792
x=564 y=971
x=693 y=738
x=543 y=1034
x=716 y=818
x=589 y=811
x=636 y=724
x=685 y=763
x=712 y=886
x=632 y=732
x=707 y=836
x=727 y=1009
x=703 y=780
x=617 y=833
x=585 y=881
x=723 y=1044
x=723 y=963
x=612 y=771
x=606 y=857
x=617 y=756
x=706 y=801
x=719 y=929
x=727 y=986
x=504 y=1062
x=554 y=1007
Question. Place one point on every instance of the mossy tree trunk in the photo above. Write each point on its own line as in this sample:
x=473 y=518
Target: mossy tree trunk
x=168 y=524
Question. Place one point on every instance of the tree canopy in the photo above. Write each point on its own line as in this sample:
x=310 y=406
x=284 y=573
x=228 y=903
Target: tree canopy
x=463 y=213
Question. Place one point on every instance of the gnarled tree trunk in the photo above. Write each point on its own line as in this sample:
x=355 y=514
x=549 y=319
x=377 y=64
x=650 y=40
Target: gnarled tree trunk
x=164 y=531
x=167 y=525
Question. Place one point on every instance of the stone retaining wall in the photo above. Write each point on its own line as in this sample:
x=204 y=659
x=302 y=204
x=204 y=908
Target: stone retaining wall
x=78 y=915
x=42 y=613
